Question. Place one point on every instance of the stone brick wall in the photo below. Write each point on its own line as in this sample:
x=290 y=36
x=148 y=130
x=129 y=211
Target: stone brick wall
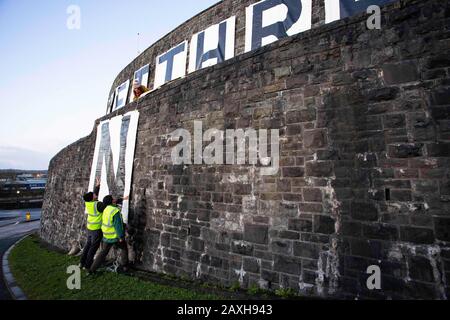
x=364 y=178
x=68 y=179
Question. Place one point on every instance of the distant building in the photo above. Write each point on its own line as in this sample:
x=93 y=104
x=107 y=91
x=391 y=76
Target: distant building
x=22 y=189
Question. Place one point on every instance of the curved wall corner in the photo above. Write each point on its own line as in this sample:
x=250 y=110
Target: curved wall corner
x=363 y=117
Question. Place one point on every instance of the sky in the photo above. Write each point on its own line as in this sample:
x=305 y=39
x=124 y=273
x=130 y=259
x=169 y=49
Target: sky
x=54 y=81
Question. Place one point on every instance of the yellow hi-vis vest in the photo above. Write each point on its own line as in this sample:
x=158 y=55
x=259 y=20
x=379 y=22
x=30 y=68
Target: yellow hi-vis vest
x=109 y=232
x=94 y=218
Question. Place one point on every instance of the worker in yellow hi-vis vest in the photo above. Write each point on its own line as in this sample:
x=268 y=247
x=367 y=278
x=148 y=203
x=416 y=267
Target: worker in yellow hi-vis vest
x=94 y=227
x=113 y=233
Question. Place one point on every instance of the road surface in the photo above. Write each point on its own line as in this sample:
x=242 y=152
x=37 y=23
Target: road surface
x=8 y=217
x=12 y=228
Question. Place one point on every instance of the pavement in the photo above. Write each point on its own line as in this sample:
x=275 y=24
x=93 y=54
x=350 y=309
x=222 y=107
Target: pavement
x=12 y=228
x=9 y=217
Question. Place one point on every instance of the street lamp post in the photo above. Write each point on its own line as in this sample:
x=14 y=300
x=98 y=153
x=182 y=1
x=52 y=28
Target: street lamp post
x=17 y=198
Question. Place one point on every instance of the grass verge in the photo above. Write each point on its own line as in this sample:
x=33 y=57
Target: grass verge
x=42 y=276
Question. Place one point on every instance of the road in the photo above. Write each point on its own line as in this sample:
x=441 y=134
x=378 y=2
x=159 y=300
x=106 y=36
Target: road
x=12 y=228
x=8 y=217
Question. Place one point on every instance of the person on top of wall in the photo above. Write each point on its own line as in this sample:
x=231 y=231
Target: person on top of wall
x=93 y=225
x=139 y=90
x=113 y=233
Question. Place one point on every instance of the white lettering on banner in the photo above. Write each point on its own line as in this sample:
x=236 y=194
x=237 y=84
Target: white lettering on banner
x=270 y=20
x=121 y=95
x=171 y=65
x=332 y=11
x=113 y=157
x=266 y=22
x=111 y=102
x=141 y=77
x=213 y=45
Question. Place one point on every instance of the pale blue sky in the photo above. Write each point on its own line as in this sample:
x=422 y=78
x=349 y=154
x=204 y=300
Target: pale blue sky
x=54 y=82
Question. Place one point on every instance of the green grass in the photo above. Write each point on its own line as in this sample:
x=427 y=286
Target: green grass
x=42 y=276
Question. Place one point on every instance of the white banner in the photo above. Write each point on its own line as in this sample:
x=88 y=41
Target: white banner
x=113 y=157
x=270 y=20
x=171 y=65
x=121 y=95
x=141 y=77
x=340 y=9
x=212 y=45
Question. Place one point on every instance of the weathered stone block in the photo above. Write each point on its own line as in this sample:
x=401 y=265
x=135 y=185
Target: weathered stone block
x=270 y=276
x=256 y=233
x=315 y=139
x=438 y=61
x=420 y=269
x=287 y=264
x=251 y=265
x=352 y=229
x=300 y=225
x=366 y=248
x=409 y=150
x=323 y=224
x=241 y=247
x=400 y=72
x=306 y=250
x=242 y=189
x=401 y=195
x=312 y=195
x=197 y=244
x=364 y=211
x=165 y=239
x=441 y=112
x=319 y=169
x=294 y=130
x=293 y=172
x=380 y=232
x=417 y=235
x=441 y=96
x=383 y=94
x=285 y=234
x=394 y=120
x=442 y=228
x=281 y=247
x=441 y=149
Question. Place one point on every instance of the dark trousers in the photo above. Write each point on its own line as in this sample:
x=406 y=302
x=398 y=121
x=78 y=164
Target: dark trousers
x=106 y=247
x=94 y=238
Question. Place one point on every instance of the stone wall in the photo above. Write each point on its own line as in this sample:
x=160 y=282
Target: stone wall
x=365 y=156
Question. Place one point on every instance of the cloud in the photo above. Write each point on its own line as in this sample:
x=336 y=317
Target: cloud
x=23 y=159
